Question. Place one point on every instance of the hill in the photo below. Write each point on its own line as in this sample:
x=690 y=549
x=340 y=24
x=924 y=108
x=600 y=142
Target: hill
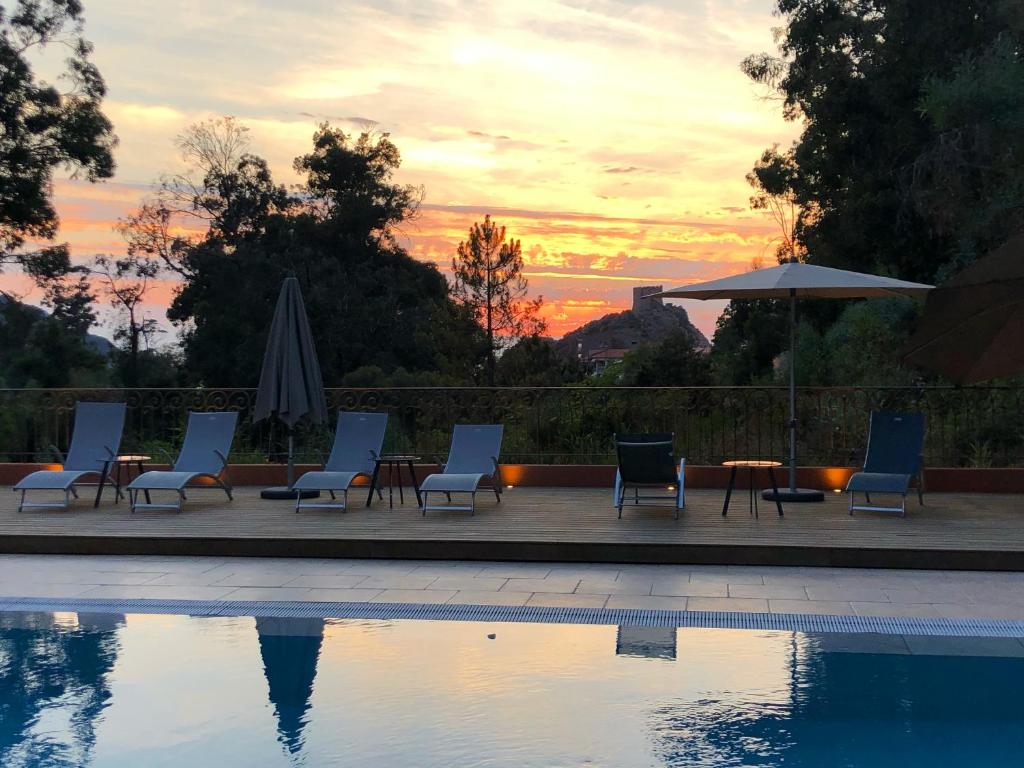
x=649 y=321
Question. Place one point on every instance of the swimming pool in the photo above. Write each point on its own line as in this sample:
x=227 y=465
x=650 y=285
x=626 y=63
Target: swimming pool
x=116 y=689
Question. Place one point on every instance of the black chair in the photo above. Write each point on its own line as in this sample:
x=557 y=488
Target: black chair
x=648 y=461
x=893 y=461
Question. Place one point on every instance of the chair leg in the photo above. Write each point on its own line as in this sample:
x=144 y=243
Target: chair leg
x=424 y=507
x=619 y=498
x=920 y=488
x=851 y=503
x=21 y=504
x=472 y=504
x=497 y=492
x=344 y=499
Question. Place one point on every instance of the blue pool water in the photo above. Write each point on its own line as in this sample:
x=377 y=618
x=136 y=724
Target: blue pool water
x=158 y=690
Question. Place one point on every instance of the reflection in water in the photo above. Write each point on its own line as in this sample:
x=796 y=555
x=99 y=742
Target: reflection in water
x=172 y=690
x=856 y=709
x=648 y=642
x=53 y=686
x=290 y=649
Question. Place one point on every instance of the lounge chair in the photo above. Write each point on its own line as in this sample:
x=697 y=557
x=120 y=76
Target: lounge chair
x=893 y=460
x=472 y=459
x=647 y=461
x=204 y=453
x=94 y=446
x=357 y=444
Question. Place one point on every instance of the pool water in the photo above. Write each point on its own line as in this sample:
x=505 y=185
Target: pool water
x=149 y=690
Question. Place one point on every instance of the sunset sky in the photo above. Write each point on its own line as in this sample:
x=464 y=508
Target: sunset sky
x=610 y=136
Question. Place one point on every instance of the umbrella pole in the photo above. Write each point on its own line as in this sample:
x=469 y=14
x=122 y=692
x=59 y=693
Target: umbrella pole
x=792 y=493
x=792 y=389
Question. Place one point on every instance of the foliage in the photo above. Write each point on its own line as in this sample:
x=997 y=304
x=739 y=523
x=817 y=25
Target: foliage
x=126 y=282
x=43 y=129
x=854 y=72
x=534 y=362
x=772 y=179
x=369 y=303
x=37 y=350
x=969 y=179
x=749 y=335
x=864 y=345
x=489 y=283
x=673 y=362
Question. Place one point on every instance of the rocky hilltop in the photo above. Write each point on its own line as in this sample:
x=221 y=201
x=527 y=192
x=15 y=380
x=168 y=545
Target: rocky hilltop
x=650 y=320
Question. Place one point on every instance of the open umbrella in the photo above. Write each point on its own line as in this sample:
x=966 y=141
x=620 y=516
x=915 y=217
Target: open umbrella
x=290 y=382
x=789 y=281
x=972 y=325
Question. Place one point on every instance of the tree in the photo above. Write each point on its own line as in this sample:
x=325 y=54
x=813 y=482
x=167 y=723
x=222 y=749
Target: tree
x=369 y=303
x=675 y=361
x=489 y=282
x=43 y=129
x=773 y=178
x=749 y=335
x=126 y=282
x=969 y=179
x=37 y=350
x=535 y=362
x=854 y=73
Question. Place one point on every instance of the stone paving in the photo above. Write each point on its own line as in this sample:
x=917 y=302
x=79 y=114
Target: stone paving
x=864 y=592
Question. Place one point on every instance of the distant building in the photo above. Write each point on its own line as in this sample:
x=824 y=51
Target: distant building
x=599 y=360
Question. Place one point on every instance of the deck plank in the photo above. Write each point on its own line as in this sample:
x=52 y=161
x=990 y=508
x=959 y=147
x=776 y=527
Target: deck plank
x=952 y=530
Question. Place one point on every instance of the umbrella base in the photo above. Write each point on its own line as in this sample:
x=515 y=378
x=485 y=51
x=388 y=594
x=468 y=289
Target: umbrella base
x=794 y=495
x=284 y=492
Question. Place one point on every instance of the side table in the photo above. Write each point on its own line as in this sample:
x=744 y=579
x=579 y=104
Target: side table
x=753 y=465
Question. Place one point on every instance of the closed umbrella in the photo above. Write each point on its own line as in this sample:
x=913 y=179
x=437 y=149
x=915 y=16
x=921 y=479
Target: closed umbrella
x=290 y=649
x=972 y=325
x=790 y=281
x=290 y=383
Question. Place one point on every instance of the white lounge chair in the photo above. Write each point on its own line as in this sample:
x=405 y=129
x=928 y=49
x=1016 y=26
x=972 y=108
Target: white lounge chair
x=94 y=446
x=472 y=459
x=204 y=453
x=357 y=444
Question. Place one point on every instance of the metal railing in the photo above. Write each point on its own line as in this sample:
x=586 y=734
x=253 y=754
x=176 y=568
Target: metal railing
x=970 y=426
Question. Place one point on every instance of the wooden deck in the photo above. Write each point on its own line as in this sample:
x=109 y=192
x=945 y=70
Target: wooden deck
x=976 y=531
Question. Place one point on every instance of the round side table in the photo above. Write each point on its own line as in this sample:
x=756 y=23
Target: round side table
x=753 y=465
x=394 y=462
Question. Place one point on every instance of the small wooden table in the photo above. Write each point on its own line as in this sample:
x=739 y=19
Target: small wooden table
x=394 y=462
x=752 y=465
x=124 y=460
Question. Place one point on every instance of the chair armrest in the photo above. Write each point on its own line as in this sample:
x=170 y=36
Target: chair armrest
x=223 y=459
x=58 y=453
x=110 y=454
x=497 y=470
x=441 y=462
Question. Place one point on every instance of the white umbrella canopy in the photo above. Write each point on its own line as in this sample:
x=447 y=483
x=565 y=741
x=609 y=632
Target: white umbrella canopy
x=800 y=279
x=790 y=281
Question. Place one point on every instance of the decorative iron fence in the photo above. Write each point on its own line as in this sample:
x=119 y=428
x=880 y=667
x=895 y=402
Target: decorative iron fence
x=970 y=426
